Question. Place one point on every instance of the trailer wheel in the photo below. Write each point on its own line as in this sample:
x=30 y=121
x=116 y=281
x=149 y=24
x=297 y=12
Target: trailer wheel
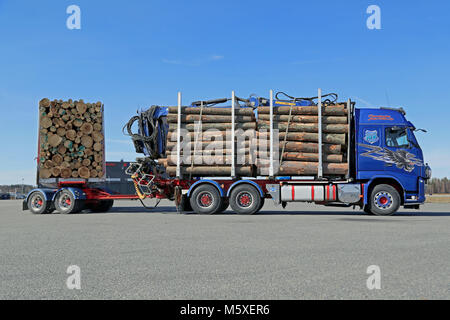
x=206 y=199
x=384 y=200
x=102 y=206
x=65 y=202
x=245 y=199
x=37 y=203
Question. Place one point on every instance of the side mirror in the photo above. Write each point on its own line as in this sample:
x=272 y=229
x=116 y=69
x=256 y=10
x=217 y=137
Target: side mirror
x=421 y=130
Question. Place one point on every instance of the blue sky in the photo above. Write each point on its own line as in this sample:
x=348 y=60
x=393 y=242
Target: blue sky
x=132 y=54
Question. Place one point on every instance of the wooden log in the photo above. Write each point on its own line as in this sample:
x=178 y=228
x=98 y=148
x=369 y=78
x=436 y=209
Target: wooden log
x=61 y=132
x=57 y=159
x=212 y=110
x=45 y=173
x=173 y=118
x=87 y=141
x=94 y=173
x=173 y=152
x=304 y=119
x=97 y=136
x=338 y=110
x=62 y=149
x=44 y=103
x=334 y=138
x=56 y=171
x=300 y=168
x=304 y=127
x=84 y=172
x=300 y=156
x=87 y=128
x=98 y=157
x=66 y=173
x=48 y=164
x=81 y=107
x=308 y=147
x=201 y=145
x=216 y=171
x=98 y=146
x=97 y=127
x=204 y=135
x=86 y=162
x=71 y=134
x=218 y=126
x=206 y=160
x=55 y=140
x=46 y=122
x=78 y=123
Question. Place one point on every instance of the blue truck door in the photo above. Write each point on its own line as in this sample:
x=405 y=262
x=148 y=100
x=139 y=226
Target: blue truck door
x=402 y=156
x=370 y=138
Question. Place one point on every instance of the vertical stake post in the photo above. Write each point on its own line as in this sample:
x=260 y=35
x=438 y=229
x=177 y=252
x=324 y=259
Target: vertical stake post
x=233 y=132
x=320 y=166
x=179 y=137
x=349 y=115
x=271 y=171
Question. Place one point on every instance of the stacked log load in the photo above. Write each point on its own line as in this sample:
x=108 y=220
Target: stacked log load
x=71 y=141
x=297 y=148
x=205 y=147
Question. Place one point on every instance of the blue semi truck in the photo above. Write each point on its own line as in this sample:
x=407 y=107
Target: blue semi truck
x=386 y=169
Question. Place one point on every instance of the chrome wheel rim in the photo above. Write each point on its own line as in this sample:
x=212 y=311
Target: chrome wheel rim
x=383 y=200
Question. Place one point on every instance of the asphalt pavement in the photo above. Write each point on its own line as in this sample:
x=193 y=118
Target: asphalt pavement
x=302 y=252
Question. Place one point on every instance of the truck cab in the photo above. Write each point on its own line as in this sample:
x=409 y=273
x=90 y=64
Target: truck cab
x=388 y=154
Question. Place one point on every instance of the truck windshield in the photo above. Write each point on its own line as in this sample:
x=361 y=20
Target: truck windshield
x=397 y=137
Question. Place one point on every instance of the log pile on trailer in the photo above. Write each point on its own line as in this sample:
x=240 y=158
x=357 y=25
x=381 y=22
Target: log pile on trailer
x=298 y=139
x=205 y=148
x=71 y=139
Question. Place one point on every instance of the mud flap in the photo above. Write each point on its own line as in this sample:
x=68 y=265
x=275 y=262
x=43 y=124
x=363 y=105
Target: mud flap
x=181 y=201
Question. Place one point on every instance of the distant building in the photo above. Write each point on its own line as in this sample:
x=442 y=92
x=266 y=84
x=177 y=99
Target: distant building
x=116 y=178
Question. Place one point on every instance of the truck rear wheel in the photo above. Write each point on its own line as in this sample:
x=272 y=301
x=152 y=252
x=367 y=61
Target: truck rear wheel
x=225 y=205
x=65 y=202
x=206 y=199
x=384 y=200
x=245 y=199
x=37 y=203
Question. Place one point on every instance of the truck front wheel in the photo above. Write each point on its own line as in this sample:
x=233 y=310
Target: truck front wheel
x=206 y=199
x=384 y=200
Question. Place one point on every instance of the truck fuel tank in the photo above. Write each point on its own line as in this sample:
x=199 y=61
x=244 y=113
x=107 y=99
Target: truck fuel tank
x=308 y=193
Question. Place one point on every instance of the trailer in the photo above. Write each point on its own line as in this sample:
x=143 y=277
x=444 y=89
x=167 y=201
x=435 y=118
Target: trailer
x=385 y=171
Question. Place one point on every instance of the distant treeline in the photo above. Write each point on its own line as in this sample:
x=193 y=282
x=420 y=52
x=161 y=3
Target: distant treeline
x=16 y=188
x=437 y=185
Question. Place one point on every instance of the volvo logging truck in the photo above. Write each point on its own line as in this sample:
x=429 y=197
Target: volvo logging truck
x=318 y=151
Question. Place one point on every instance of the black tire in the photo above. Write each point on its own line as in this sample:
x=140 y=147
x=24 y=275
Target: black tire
x=65 y=202
x=384 y=200
x=367 y=210
x=102 y=206
x=37 y=203
x=206 y=199
x=225 y=205
x=263 y=200
x=245 y=199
